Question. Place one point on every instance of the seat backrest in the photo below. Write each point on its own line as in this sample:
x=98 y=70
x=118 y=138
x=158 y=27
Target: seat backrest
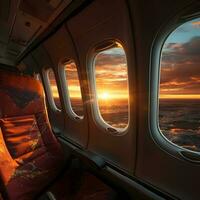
x=24 y=128
x=20 y=95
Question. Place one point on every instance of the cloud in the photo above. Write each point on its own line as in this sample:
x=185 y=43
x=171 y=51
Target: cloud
x=110 y=71
x=71 y=72
x=180 y=67
x=110 y=59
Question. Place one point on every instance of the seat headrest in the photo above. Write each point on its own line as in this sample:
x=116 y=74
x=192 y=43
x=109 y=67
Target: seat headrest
x=20 y=95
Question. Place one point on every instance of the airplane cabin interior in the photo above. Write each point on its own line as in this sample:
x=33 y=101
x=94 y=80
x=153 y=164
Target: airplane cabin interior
x=99 y=99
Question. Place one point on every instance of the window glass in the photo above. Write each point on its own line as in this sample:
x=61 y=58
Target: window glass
x=53 y=87
x=112 y=86
x=73 y=86
x=179 y=99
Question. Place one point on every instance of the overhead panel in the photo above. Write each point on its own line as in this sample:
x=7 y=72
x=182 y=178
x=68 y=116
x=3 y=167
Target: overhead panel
x=41 y=9
x=22 y=21
x=24 y=29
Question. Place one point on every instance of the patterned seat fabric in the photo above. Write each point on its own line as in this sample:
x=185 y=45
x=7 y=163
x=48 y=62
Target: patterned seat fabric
x=30 y=154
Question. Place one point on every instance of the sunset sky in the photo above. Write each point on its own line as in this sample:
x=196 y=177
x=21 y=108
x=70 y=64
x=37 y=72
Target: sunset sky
x=72 y=80
x=180 y=64
x=111 y=74
x=110 y=69
x=53 y=84
x=180 y=69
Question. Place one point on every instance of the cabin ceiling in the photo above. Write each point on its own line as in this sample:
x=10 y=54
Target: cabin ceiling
x=22 y=21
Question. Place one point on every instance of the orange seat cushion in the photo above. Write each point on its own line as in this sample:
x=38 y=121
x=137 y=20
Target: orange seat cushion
x=31 y=156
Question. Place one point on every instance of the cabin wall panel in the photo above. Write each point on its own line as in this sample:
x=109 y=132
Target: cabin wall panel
x=155 y=166
x=44 y=60
x=100 y=21
x=60 y=47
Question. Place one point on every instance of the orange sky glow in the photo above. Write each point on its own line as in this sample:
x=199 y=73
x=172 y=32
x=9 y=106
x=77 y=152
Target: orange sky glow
x=180 y=63
x=179 y=76
x=111 y=77
x=174 y=96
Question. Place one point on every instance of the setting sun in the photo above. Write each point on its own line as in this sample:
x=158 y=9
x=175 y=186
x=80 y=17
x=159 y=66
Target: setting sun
x=104 y=96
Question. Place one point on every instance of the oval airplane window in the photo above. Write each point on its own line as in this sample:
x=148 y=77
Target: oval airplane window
x=53 y=88
x=73 y=87
x=179 y=96
x=111 y=80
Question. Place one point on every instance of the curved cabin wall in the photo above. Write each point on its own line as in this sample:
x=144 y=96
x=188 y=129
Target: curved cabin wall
x=85 y=35
x=100 y=21
x=75 y=40
x=60 y=47
x=50 y=55
x=103 y=20
x=44 y=60
x=154 y=165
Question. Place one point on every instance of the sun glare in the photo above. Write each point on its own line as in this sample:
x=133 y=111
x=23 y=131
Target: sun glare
x=104 y=96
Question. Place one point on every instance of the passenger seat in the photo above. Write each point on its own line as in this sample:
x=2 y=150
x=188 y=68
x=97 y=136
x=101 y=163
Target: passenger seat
x=30 y=156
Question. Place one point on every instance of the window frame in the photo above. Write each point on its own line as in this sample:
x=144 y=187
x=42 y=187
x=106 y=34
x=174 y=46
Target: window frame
x=37 y=76
x=66 y=96
x=96 y=114
x=154 y=87
x=45 y=74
